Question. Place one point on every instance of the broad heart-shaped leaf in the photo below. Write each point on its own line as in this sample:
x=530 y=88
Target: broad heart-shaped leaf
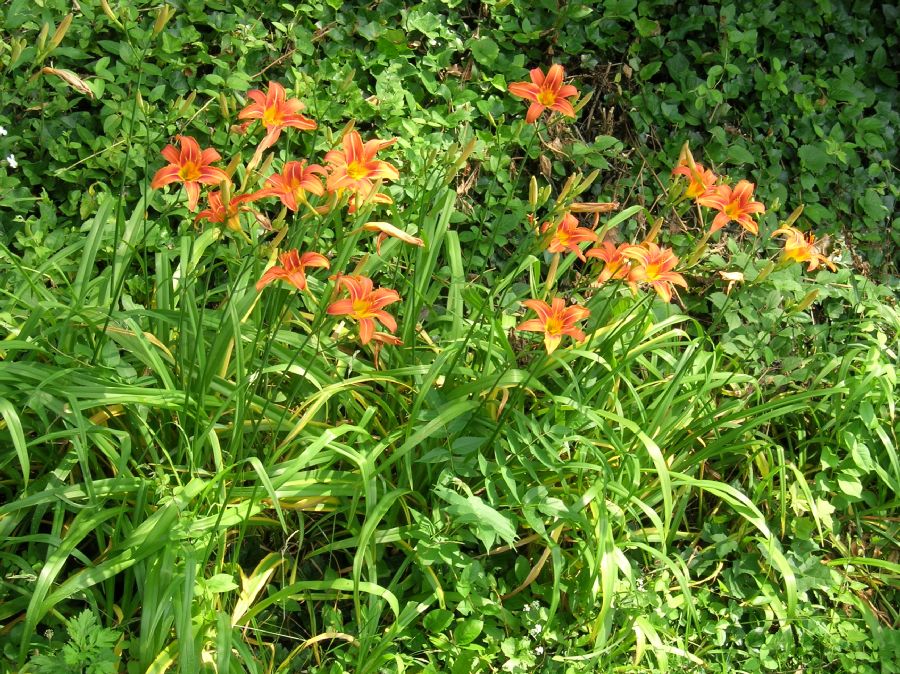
x=813 y=157
x=467 y=631
x=486 y=522
x=485 y=51
x=438 y=620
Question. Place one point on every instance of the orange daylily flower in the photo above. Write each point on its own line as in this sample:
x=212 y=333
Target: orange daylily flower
x=555 y=320
x=191 y=166
x=292 y=184
x=654 y=267
x=276 y=112
x=365 y=305
x=386 y=229
x=292 y=269
x=616 y=264
x=700 y=181
x=733 y=204
x=217 y=213
x=355 y=168
x=545 y=92
x=568 y=235
x=799 y=247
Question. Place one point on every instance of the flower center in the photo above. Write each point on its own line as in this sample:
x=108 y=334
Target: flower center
x=189 y=172
x=554 y=326
x=546 y=97
x=651 y=272
x=362 y=308
x=356 y=170
x=733 y=210
x=271 y=117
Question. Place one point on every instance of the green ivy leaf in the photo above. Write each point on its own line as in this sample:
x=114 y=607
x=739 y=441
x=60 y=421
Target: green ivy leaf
x=813 y=157
x=485 y=51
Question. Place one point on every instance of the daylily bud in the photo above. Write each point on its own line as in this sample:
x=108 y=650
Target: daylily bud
x=533 y=193
x=186 y=104
x=687 y=158
x=42 y=38
x=233 y=164
x=348 y=127
x=162 y=18
x=654 y=231
x=808 y=299
x=266 y=167
x=792 y=218
x=223 y=105
x=460 y=161
x=567 y=187
x=586 y=183
x=110 y=14
x=60 y=32
x=583 y=102
x=225 y=191
x=764 y=272
x=18 y=46
x=544 y=195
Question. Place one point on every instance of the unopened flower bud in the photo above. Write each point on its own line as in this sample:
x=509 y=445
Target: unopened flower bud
x=42 y=38
x=162 y=18
x=60 y=32
x=792 y=218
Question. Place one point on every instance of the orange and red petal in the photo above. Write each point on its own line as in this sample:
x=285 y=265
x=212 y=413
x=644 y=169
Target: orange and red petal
x=300 y=122
x=563 y=106
x=314 y=260
x=532 y=325
x=209 y=155
x=270 y=275
x=386 y=320
x=340 y=307
x=748 y=223
x=193 y=193
x=542 y=309
x=575 y=333
x=719 y=222
x=209 y=175
x=524 y=90
x=554 y=79
x=190 y=150
x=534 y=111
x=171 y=155
x=165 y=175
x=353 y=147
x=537 y=76
x=366 y=330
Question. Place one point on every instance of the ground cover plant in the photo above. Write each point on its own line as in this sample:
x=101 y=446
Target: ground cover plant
x=389 y=338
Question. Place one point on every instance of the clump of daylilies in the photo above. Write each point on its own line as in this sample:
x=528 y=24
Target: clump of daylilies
x=351 y=175
x=637 y=264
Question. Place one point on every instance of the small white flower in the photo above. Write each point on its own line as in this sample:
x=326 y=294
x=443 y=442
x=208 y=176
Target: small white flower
x=539 y=650
x=11 y=160
x=2 y=131
x=536 y=630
